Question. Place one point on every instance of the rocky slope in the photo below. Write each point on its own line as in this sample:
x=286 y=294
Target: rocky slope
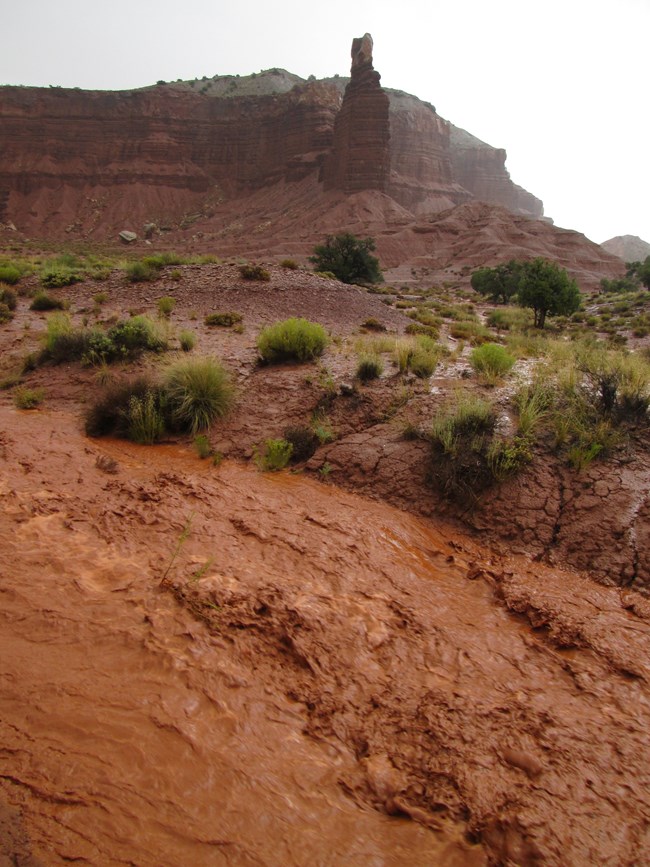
x=629 y=248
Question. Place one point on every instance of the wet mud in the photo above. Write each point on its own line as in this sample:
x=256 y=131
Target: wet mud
x=207 y=665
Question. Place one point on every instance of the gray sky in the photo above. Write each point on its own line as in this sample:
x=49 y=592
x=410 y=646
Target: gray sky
x=562 y=85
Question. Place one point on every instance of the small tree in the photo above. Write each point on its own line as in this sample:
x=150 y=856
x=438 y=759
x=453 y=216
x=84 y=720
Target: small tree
x=547 y=288
x=349 y=258
x=643 y=272
x=498 y=284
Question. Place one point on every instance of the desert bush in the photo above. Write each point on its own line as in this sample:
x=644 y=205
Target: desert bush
x=166 y=305
x=112 y=413
x=491 y=360
x=199 y=392
x=292 y=339
x=254 y=272
x=369 y=367
x=223 y=319
x=276 y=455
x=289 y=264
x=43 y=301
x=100 y=298
x=373 y=324
x=187 y=340
x=6 y=315
x=348 y=258
x=8 y=297
x=57 y=275
x=10 y=274
x=28 y=398
x=125 y=339
x=473 y=332
x=139 y=272
x=304 y=442
x=508 y=318
x=328 y=275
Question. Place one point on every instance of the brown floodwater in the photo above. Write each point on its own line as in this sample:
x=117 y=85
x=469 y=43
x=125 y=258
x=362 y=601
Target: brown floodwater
x=207 y=666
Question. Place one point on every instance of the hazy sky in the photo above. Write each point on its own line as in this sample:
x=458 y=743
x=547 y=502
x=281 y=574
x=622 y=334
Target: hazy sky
x=562 y=85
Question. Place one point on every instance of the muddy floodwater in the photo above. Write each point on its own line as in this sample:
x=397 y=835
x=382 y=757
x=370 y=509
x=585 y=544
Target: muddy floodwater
x=205 y=665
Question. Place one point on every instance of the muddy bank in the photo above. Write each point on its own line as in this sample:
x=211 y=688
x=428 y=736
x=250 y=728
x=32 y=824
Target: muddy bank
x=321 y=679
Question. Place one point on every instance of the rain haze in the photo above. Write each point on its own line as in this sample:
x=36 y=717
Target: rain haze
x=561 y=85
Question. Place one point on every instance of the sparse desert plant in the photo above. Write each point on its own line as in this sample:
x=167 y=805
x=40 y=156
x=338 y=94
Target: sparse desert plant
x=491 y=361
x=43 y=301
x=373 y=324
x=140 y=272
x=532 y=403
x=226 y=320
x=419 y=355
x=57 y=276
x=202 y=446
x=187 y=340
x=254 y=272
x=369 y=367
x=166 y=306
x=289 y=264
x=176 y=275
x=100 y=298
x=292 y=339
x=135 y=335
x=6 y=314
x=473 y=332
x=28 y=398
x=275 y=456
x=199 y=392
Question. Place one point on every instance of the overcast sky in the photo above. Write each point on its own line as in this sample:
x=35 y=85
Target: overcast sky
x=562 y=85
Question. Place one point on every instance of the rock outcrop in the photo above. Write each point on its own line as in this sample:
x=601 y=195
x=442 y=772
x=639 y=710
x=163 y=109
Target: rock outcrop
x=359 y=159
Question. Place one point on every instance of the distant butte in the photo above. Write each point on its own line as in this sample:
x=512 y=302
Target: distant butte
x=267 y=164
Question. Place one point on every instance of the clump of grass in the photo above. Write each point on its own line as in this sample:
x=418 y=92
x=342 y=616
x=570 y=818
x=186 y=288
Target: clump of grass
x=100 y=298
x=419 y=355
x=166 y=306
x=187 y=340
x=43 y=301
x=140 y=272
x=369 y=367
x=472 y=332
x=303 y=440
x=491 y=361
x=254 y=272
x=126 y=339
x=289 y=264
x=199 y=392
x=292 y=339
x=509 y=318
x=145 y=419
x=28 y=398
x=8 y=303
x=226 y=320
x=275 y=456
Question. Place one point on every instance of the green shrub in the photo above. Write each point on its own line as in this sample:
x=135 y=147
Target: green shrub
x=100 y=298
x=254 y=272
x=289 y=264
x=199 y=392
x=223 y=319
x=348 y=258
x=419 y=356
x=369 y=367
x=187 y=340
x=304 y=442
x=276 y=455
x=473 y=332
x=491 y=360
x=136 y=335
x=43 y=301
x=166 y=305
x=292 y=339
x=10 y=274
x=28 y=398
x=58 y=276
